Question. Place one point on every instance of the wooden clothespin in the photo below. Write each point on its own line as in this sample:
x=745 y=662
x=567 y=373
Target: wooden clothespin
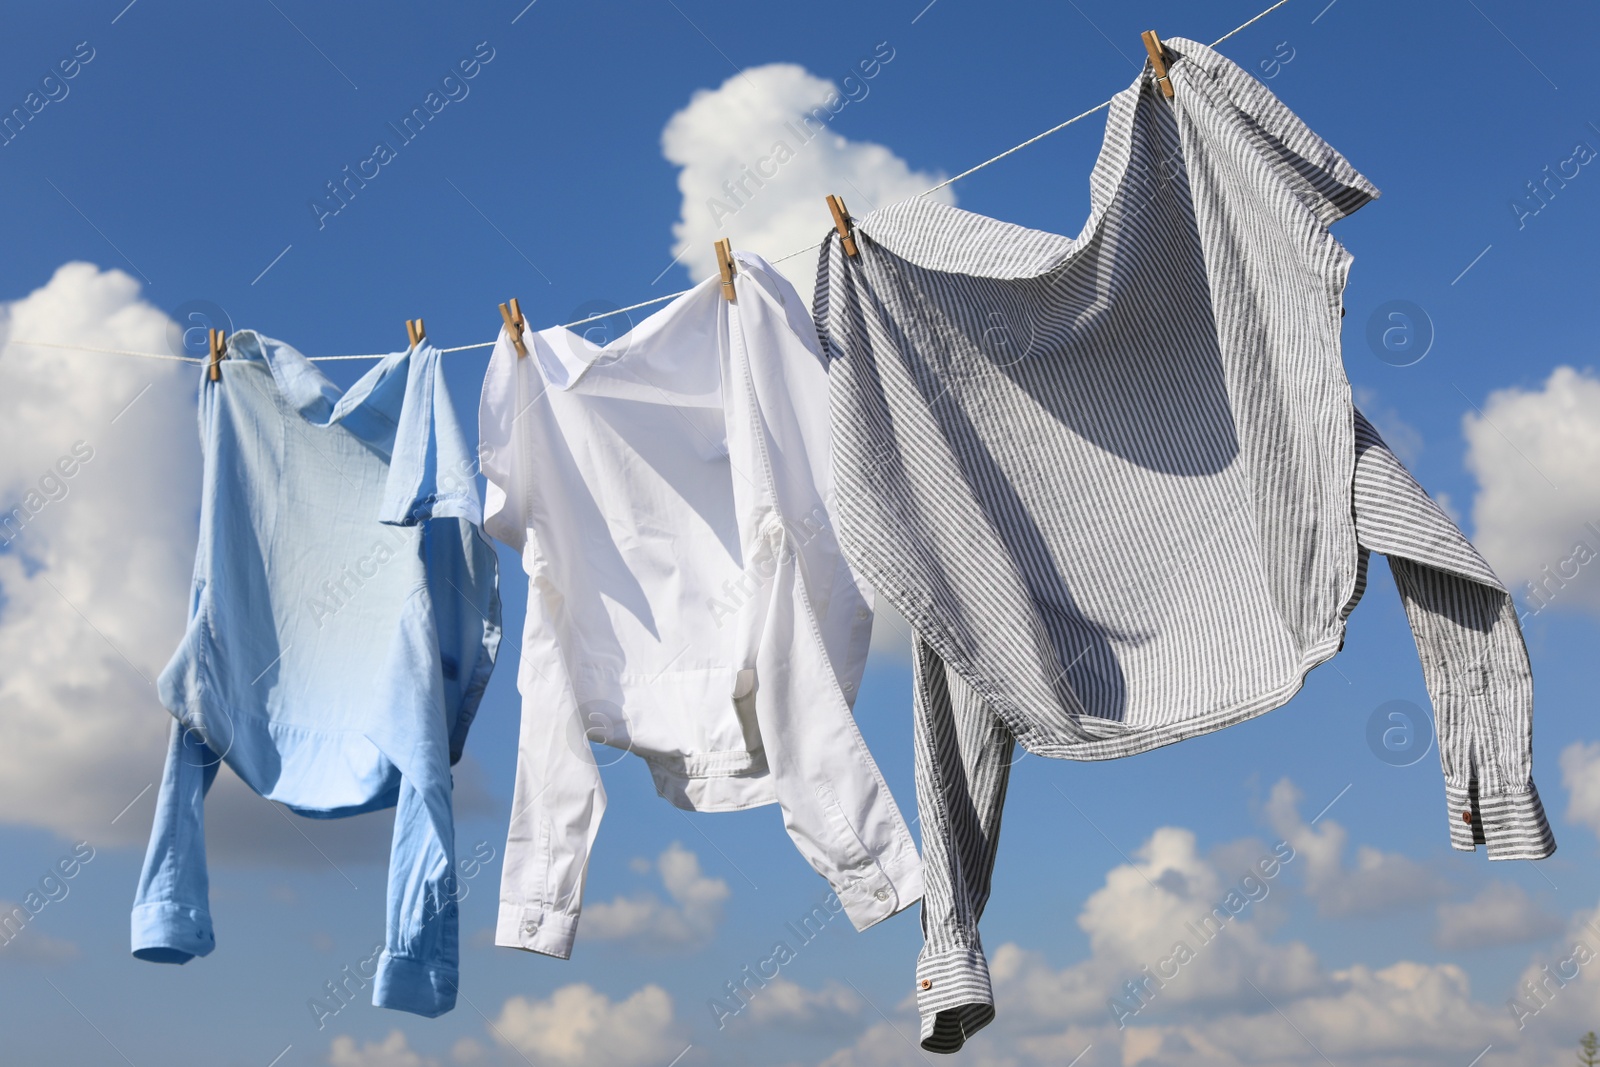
x=725 y=267
x=414 y=331
x=514 y=324
x=1158 y=62
x=841 y=222
x=219 y=347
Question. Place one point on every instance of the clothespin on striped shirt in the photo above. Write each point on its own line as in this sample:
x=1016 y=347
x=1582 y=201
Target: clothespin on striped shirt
x=1158 y=62
x=514 y=324
x=219 y=347
x=841 y=222
x=725 y=267
x=414 y=331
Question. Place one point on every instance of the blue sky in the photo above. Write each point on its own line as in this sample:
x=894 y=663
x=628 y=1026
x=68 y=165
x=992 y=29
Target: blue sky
x=177 y=169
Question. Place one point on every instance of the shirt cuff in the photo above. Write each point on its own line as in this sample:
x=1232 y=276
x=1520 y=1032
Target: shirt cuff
x=1512 y=825
x=890 y=888
x=165 y=932
x=411 y=985
x=537 y=929
x=954 y=996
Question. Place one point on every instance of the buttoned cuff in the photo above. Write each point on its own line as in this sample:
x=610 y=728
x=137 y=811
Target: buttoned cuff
x=537 y=929
x=953 y=996
x=1512 y=825
x=890 y=888
x=165 y=932
x=411 y=985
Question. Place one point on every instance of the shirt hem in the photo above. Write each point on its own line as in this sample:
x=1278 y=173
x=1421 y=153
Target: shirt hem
x=1142 y=740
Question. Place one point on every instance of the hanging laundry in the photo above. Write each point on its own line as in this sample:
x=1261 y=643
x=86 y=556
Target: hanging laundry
x=671 y=498
x=342 y=626
x=1117 y=485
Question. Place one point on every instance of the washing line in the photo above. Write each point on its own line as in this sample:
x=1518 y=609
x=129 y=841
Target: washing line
x=670 y=296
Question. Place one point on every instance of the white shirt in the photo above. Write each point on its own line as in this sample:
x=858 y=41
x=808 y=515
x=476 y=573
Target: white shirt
x=671 y=496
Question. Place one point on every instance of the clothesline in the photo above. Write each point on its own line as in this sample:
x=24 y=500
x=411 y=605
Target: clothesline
x=670 y=296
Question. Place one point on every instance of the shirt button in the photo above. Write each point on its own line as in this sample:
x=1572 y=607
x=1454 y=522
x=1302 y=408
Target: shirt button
x=849 y=687
x=882 y=894
x=530 y=928
x=926 y=983
x=1466 y=816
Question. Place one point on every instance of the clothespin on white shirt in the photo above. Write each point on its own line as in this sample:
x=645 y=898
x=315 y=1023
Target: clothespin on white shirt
x=219 y=347
x=1158 y=61
x=725 y=267
x=841 y=222
x=414 y=331
x=514 y=324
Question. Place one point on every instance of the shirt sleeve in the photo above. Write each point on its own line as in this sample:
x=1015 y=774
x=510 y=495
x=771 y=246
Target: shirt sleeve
x=171 y=909
x=558 y=798
x=432 y=472
x=1473 y=657
x=505 y=396
x=1319 y=176
x=557 y=803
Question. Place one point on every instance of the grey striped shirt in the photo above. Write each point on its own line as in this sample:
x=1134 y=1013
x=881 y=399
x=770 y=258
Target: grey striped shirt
x=1118 y=487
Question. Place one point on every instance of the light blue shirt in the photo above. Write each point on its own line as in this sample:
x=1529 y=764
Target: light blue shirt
x=343 y=622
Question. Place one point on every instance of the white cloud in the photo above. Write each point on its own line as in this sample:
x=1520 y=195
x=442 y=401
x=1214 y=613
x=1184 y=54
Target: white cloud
x=94 y=587
x=1536 y=456
x=1403 y=1013
x=759 y=133
x=466 y=1050
x=577 y=1025
x=1380 y=882
x=392 y=1051
x=1557 y=996
x=788 y=1004
x=689 y=918
x=1169 y=896
x=1245 y=1000
x=1580 y=773
x=1502 y=914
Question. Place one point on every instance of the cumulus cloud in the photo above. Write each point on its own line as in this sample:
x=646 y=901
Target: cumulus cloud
x=1558 y=992
x=578 y=1025
x=466 y=1050
x=1379 y=883
x=392 y=1051
x=688 y=917
x=760 y=153
x=95 y=568
x=1580 y=772
x=1406 y=1012
x=1501 y=914
x=787 y=1004
x=1536 y=456
x=1174 y=914
x=1246 y=1000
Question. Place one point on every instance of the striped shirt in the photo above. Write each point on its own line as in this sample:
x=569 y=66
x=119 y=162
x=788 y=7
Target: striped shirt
x=1117 y=484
